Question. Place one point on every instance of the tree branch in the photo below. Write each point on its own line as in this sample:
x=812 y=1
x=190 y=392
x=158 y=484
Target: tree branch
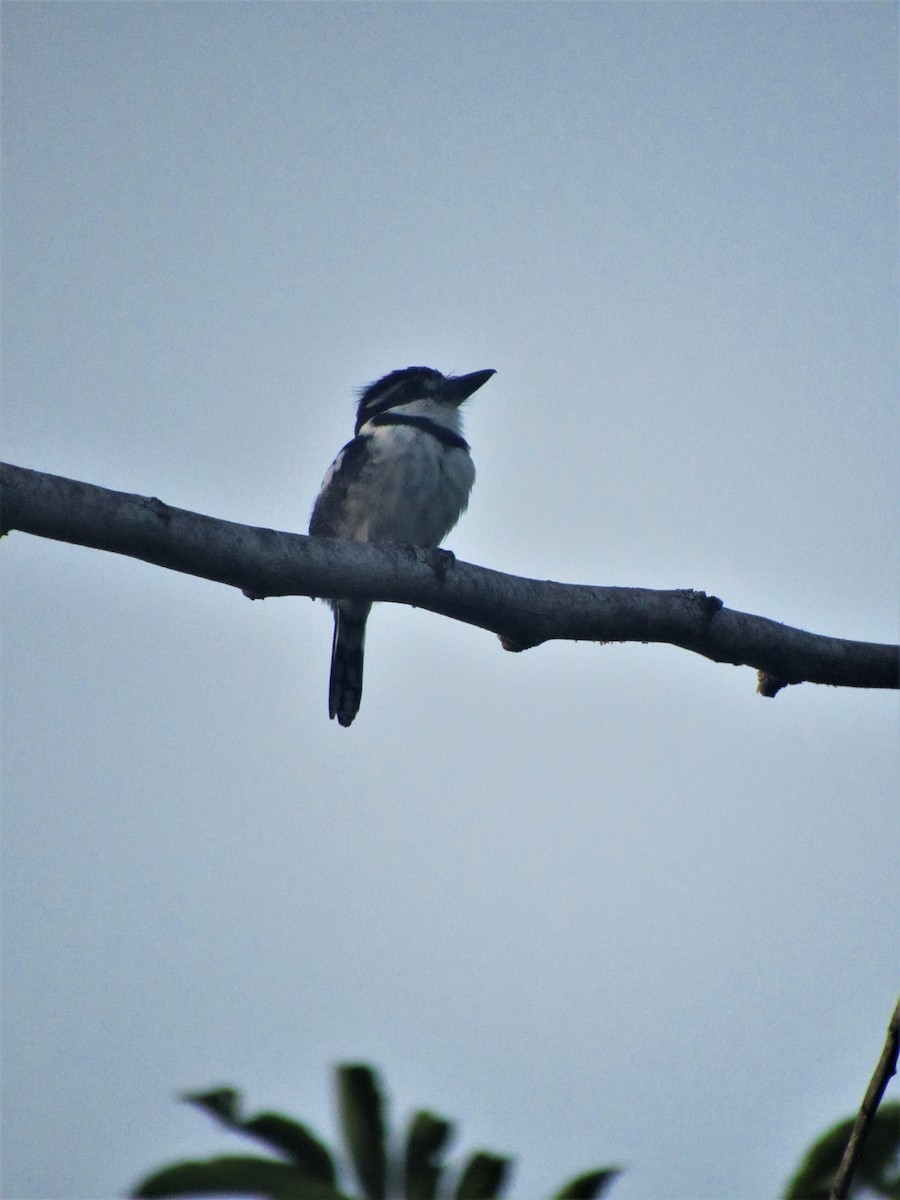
x=887 y=1066
x=522 y=612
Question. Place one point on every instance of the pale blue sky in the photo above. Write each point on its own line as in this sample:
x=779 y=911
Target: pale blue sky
x=599 y=904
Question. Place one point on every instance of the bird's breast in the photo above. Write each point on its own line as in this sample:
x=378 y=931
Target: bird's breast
x=414 y=488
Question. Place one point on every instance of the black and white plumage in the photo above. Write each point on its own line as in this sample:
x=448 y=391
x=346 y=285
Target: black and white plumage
x=405 y=477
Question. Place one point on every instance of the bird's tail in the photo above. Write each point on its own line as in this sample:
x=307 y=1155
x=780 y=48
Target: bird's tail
x=345 y=688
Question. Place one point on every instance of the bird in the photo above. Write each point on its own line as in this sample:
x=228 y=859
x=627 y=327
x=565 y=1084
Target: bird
x=405 y=477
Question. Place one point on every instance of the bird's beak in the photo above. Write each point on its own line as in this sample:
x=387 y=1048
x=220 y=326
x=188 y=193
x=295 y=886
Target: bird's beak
x=460 y=387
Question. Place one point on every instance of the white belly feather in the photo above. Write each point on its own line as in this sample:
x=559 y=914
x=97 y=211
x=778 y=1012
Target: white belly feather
x=414 y=490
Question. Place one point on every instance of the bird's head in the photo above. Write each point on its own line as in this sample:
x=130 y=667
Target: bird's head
x=412 y=385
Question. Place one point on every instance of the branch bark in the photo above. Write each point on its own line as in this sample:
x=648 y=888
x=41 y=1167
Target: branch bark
x=522 y=612
x=887 y=1066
